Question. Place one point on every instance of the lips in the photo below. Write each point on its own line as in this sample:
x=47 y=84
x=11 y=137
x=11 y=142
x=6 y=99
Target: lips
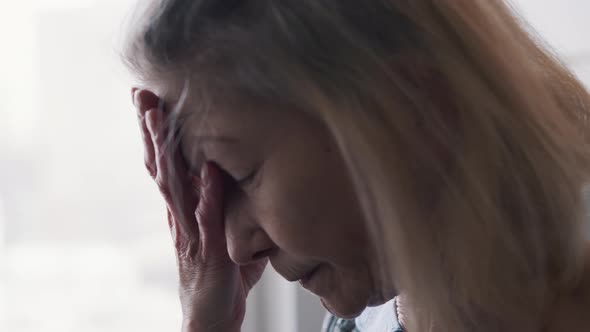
x=293 y=271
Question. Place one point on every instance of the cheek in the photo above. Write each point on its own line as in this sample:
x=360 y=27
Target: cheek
x=291 y=220
x=311 y=214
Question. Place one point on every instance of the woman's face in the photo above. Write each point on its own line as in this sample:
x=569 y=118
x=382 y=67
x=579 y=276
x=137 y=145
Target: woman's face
x=290 y=200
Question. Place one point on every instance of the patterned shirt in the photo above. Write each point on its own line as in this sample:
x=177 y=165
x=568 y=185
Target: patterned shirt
x=377 y=319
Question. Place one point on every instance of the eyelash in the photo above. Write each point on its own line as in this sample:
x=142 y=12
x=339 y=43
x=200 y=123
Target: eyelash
x=232 y=181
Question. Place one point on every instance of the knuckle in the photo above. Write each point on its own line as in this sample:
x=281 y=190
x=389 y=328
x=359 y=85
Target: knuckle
x=201 y=212
x=187 y=251
x=161 y=158
x=151 y=168
x=161 y=180
x=192 y=249
x=163 y=187
x=160 y=136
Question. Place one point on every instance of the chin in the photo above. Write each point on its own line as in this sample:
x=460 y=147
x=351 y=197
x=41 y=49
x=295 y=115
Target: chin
x=381 y=298
x=343 y=310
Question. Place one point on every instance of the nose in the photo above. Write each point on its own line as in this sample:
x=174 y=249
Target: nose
x=245 y=244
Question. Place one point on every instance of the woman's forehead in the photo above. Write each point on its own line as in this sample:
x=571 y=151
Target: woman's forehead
x=225 y=116
x=208 y=109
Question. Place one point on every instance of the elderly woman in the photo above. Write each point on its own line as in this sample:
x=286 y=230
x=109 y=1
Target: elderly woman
x=418 y=165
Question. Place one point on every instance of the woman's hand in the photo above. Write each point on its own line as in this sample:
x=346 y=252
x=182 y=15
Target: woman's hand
x=213 y=289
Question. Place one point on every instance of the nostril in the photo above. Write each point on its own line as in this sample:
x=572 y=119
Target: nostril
x=262 y=254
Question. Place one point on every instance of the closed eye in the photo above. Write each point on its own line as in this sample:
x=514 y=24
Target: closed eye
x=246 y=180
x=233 y=183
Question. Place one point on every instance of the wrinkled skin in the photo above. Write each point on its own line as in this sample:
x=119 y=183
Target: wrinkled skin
x=289 y=201
x=195 y=217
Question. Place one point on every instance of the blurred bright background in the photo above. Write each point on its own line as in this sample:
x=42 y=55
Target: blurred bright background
x=84 y=245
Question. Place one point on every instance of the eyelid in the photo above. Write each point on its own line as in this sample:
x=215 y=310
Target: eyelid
x=253 y=179
x=248 y=179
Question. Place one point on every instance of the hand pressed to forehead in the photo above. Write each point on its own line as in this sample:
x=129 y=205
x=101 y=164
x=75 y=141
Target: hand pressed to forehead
x=180 y=189
x=144 y=101
x=162 y=157
x=210 y=283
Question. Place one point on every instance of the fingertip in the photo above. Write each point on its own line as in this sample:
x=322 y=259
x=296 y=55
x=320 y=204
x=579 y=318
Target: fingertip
x=210 y=189
x=210 y=174
x=209 y=212
x=211 y=193
x=145 y=100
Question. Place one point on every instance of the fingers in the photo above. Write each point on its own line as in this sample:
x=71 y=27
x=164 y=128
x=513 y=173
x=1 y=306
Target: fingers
x=144 y=101
x=164 y=161
x=252 y=273
x=149 y=149
x=158 y=134
x=172 y=176
x=209 y=214
x=203 y=228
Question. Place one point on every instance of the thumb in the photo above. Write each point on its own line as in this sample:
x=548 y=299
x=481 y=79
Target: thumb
x=209 y=213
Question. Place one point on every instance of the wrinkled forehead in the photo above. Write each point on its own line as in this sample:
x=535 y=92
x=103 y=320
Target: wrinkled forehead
x=200 y=99
x=196 y=111
x=182 y=99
